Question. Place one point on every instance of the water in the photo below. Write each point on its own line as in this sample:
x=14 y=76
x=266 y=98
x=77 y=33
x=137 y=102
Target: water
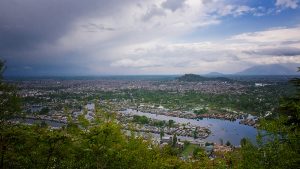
x=226 y=130
x=51 y=123
x=220 y=129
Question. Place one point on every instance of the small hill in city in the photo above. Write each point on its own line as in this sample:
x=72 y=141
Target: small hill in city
x=198 y=78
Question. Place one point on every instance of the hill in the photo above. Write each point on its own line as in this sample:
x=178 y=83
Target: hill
x=272 y=69
x=198 y=78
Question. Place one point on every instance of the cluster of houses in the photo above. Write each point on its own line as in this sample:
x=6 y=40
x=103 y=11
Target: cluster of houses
x=223 y=113
x=212 y=150
x=249 y=122
x=88 y=112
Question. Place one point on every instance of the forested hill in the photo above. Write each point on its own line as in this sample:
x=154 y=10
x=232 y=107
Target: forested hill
x=198 y=78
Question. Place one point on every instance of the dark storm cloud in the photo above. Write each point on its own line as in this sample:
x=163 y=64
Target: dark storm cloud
x=25 y=24
x=28 y=25
x=276 y=52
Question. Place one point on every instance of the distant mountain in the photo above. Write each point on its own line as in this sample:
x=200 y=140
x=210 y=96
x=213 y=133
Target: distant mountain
x=214 y=74
x=198 y=78
x=272 y=69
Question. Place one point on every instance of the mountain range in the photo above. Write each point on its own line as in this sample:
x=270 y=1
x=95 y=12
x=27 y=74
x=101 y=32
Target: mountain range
x=271 y=69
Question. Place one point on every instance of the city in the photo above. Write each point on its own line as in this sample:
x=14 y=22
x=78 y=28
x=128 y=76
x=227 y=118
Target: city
x=149 y=84
x=57 y=102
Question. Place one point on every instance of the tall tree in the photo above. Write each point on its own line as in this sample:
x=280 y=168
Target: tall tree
x=9 y=100
x=279 y=146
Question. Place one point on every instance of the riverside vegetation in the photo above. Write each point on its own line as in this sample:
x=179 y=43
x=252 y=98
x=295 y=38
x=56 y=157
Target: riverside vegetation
x=104 y=145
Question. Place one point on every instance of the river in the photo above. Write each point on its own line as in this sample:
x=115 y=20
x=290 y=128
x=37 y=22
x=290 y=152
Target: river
x=220 y=129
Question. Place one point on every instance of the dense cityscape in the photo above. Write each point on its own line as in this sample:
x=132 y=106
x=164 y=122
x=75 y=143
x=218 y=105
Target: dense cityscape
x=140 y=106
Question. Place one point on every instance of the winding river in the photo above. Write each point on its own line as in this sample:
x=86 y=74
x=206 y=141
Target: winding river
x=220 y=129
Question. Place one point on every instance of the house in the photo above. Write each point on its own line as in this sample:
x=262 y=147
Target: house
x=166 y=139
x=90 y=107
x=76 y=114
x=163 y=145
x=209 y=149
x=180 y=145
x=222 y=148
x=199 y=143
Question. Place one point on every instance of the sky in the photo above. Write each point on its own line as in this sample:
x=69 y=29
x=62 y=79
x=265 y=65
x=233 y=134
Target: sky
x=147 y=37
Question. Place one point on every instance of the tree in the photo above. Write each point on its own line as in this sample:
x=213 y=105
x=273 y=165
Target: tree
x=199 y=153
x=228 y=143
x=102 y=145
x=44 y=110
x=9 y=108
x=243 y=141
x=161 y=133
x=195 y=134
x=2 y=68
x=171 y=123
x=282 y=148
x=174 y=140
x=10 y=104
x=221 y=141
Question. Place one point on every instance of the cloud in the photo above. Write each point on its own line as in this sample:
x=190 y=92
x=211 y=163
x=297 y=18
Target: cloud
x=173 y=5
x=235 y=10
x=263 y=47
x=130 y=36
x=287 y=3
x=152 y=12
x=278 y=51
x=273 y=35
x=92 y=27
x=27 y=24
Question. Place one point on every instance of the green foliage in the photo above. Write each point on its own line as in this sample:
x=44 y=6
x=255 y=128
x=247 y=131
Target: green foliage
x=198 y=78
x=244 y=141
x=201 y=111
x=158 y=123
x=186 y=143
x=141 y=119
x=44 y=110
x=161 y=134
x=195 y=135
x=102 y=146
x=83 y=121
x=9 y=101
x=201 y=160
x=174 y=140
x=191 y=78
x=2 y=68
x=171 y=123
x=228 y=143
x=279 y=146
x=253 y=100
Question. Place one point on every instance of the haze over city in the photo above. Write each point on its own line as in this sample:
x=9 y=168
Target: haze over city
x=126 y=37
